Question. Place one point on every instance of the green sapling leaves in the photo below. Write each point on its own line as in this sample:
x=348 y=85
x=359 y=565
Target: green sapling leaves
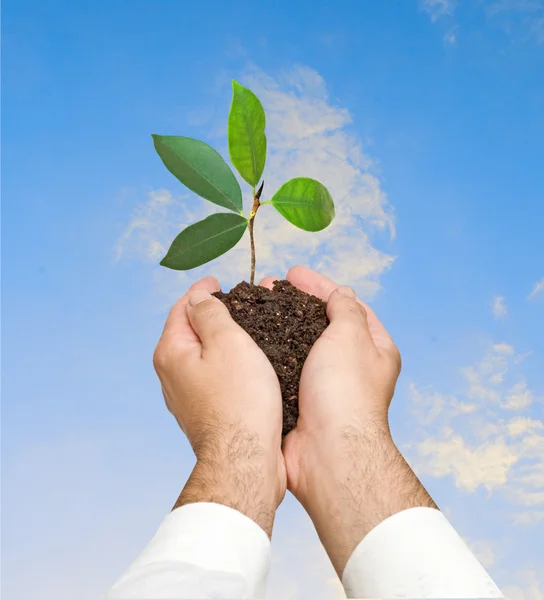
x=247 y=140
x=204 y=241
x=305 y=202
x=201 y=169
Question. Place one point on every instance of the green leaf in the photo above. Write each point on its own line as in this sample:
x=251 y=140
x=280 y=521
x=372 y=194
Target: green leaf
x=247 y=141
x=205 y=240
x=305 y=202
x=201 y=169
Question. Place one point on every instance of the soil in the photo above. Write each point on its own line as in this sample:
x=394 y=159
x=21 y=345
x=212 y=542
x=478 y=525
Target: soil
x=285 y=323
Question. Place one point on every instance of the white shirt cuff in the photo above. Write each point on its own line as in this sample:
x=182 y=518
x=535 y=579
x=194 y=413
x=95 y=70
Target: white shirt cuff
x=416 y=553
x=201 y=550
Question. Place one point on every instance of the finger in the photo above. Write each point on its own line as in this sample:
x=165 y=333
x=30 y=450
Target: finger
x=311 y=282
x=177 y=322
x=379 y=333
x=347 y=316
x=268 y=282
x=209 y=317
x=319 y=285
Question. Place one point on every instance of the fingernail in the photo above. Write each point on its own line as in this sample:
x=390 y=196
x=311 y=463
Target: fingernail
x=344 y=290
x=199 y=296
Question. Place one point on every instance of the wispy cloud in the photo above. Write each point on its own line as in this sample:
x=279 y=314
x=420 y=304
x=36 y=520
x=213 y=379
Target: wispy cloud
x=528 y=586
x=518 y=396
x=522 y=6
x=484 y=550
x=307 y=136
x=447 y=453
x=528 y=518
x=450 y=37
x=153 y=222
x=498 y=306
x=438 y=8
x=518 y=18
x=538 y=287
x=473 y=437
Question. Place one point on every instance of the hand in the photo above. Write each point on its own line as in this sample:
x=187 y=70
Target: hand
x=226 y=397
x=342 y=464
x=348 y=379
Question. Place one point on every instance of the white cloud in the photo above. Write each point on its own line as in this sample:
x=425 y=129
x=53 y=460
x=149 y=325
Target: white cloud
x=528 y=586
x=307 y=136
x=438 y=8
x=534 y=478
x=487 y=464
x=524 y=6
x=538 y=287
x=498 y=307
x=528 y=517
x=519 y=19
x=503 y=348
x=521 y=357
x=486 y=376
x=521 y=425
x=484 y=550
x=519 y=396
x=472 y=437
x=523 y=19
x=427 y=405
x=153 y=225
x=450 y=37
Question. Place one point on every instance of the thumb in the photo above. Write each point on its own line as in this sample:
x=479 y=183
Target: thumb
x=347 y=316
x=208 y=316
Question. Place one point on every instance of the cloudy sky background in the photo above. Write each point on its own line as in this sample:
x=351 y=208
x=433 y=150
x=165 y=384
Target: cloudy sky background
x=425 y=123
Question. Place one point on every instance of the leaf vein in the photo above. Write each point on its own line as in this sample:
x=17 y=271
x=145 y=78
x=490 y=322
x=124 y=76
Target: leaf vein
x=222 y=193
x=205 y=240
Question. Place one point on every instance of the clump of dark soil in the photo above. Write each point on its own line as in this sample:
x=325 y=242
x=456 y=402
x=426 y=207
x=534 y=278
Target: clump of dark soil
x=285 y=323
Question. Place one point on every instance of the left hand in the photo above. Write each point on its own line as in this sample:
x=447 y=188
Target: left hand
x=223 y=392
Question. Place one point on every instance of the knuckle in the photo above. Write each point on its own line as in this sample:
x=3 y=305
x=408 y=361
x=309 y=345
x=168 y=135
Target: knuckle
x=362 y=309
x=168 y=353
x=355 y=312
x=396 y=359
x=353 y=308
x=160 y=358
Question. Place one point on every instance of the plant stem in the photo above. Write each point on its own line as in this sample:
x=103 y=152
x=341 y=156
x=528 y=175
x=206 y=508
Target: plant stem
x=256 y=204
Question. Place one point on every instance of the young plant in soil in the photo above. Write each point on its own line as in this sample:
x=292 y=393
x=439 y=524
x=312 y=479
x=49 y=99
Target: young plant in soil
x=284 y=322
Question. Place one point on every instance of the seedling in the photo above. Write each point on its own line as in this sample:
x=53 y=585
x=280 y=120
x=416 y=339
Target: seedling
x=304 y=202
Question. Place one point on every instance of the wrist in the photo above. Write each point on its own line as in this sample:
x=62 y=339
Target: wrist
x=247 y=484
x=330 y=455
x=358 y=478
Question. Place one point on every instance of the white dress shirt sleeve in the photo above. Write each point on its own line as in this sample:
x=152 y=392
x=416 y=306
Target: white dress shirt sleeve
x=200 y=551
x=416 y=553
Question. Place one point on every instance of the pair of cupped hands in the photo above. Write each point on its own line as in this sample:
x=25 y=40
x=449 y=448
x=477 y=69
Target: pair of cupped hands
x=225 y=395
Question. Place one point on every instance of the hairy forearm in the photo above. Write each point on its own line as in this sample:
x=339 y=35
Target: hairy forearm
x=238 y=475
x=370 y=482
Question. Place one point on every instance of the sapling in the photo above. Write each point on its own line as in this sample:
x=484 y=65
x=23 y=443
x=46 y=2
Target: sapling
x=303 y=201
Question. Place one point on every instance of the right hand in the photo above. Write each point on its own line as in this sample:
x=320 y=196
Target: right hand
x=347 y=384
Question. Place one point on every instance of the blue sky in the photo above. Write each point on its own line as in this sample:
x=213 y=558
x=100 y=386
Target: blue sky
x=425 y=121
